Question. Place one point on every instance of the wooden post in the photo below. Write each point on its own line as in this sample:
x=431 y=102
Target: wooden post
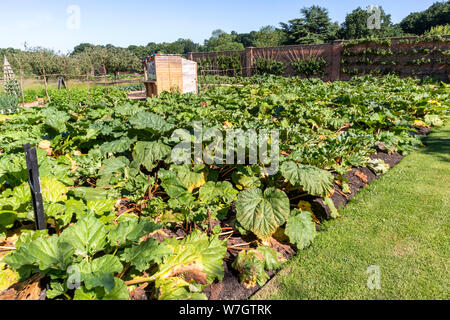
x=45 y=78
x=145 y=73
x=35 y=187
x=66 y=82
x=104 y=76
x=249 y=61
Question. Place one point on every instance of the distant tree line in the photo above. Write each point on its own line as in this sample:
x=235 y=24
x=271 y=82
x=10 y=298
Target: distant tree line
x=313 y=26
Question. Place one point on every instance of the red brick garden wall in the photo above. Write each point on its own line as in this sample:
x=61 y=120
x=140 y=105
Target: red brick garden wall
x=406 y=57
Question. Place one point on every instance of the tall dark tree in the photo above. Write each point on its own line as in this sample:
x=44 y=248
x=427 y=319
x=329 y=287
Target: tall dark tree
x=419 y=22
x=314 y=26
x=355 y=25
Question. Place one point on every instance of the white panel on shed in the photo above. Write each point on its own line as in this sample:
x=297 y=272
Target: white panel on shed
x=189 y=76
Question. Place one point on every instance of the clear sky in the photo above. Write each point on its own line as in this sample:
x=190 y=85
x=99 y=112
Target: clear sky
x=122 y=23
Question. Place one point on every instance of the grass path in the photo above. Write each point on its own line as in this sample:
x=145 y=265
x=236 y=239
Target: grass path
x=400 y=223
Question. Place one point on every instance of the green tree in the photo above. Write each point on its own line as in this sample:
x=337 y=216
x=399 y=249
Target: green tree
x=121 y=60
x=81 y=48
x=355 y=26
x=222 y=41
x=419 y=22
x=314 y=26
x=40 y=57
x=269 y=36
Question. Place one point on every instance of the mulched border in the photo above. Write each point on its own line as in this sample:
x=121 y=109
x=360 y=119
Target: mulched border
x=231 y=289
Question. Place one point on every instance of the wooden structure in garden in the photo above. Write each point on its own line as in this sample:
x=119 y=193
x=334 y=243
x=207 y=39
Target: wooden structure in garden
x=171 y=73
x=8 y=73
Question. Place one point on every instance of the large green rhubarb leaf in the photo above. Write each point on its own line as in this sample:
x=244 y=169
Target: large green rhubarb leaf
x=262 y=213
x=214 y=191
x=151 y=122
x=53 y=190
x=100 y=272
x=145 y=254
x=87 y=236
x=315 y=181
x=46 y=253
x=301 y=228
x=118 y=292
x=197 y=258
x=131 y=231
x=149 y=153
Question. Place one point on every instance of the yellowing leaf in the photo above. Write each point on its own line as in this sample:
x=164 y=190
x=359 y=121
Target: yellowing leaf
x=53 y=190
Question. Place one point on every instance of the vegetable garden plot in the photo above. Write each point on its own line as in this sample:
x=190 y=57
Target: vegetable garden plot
x=124 y=221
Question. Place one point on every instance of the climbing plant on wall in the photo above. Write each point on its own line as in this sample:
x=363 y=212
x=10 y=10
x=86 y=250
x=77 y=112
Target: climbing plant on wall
x=311 y=66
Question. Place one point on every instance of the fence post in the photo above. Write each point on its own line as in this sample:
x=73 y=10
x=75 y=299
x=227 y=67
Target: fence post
x=336 y=54
x=45 y=78
x=35 y=187
x=248 y=54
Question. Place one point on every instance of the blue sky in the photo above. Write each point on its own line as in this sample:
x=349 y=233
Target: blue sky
x=44 y=22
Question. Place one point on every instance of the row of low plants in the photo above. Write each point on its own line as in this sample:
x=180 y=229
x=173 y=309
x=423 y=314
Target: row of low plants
x=78 y=95
x=121 y=213
x=310 y=66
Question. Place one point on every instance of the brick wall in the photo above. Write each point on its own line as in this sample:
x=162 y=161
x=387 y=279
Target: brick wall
x=405 y=57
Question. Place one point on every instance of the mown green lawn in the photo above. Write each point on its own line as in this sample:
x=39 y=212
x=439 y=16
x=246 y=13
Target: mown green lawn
x=400 y=223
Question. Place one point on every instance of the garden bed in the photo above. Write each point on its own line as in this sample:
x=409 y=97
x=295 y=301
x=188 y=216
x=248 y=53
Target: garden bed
x=135 y=224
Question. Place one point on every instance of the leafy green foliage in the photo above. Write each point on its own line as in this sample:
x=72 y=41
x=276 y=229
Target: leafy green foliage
x=8 y=104
x=145 y=254
x=113 y=197
x=311 y=179
x=300 y=228
x=262 y=213
x=87 y=236
x=252 y=265
x=311 y=66
x=269 y=66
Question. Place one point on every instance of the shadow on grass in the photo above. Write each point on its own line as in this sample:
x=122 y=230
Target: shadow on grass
x=438 y=146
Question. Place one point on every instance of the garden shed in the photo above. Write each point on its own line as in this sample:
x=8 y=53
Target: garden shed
x=172 y=73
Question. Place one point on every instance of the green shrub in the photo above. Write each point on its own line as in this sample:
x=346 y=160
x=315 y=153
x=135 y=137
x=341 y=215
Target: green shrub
x=8 y=104
x=269 y=66
x=311 y=66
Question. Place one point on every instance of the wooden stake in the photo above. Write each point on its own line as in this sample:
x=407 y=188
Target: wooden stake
x=67 y=80
x=45 y=78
